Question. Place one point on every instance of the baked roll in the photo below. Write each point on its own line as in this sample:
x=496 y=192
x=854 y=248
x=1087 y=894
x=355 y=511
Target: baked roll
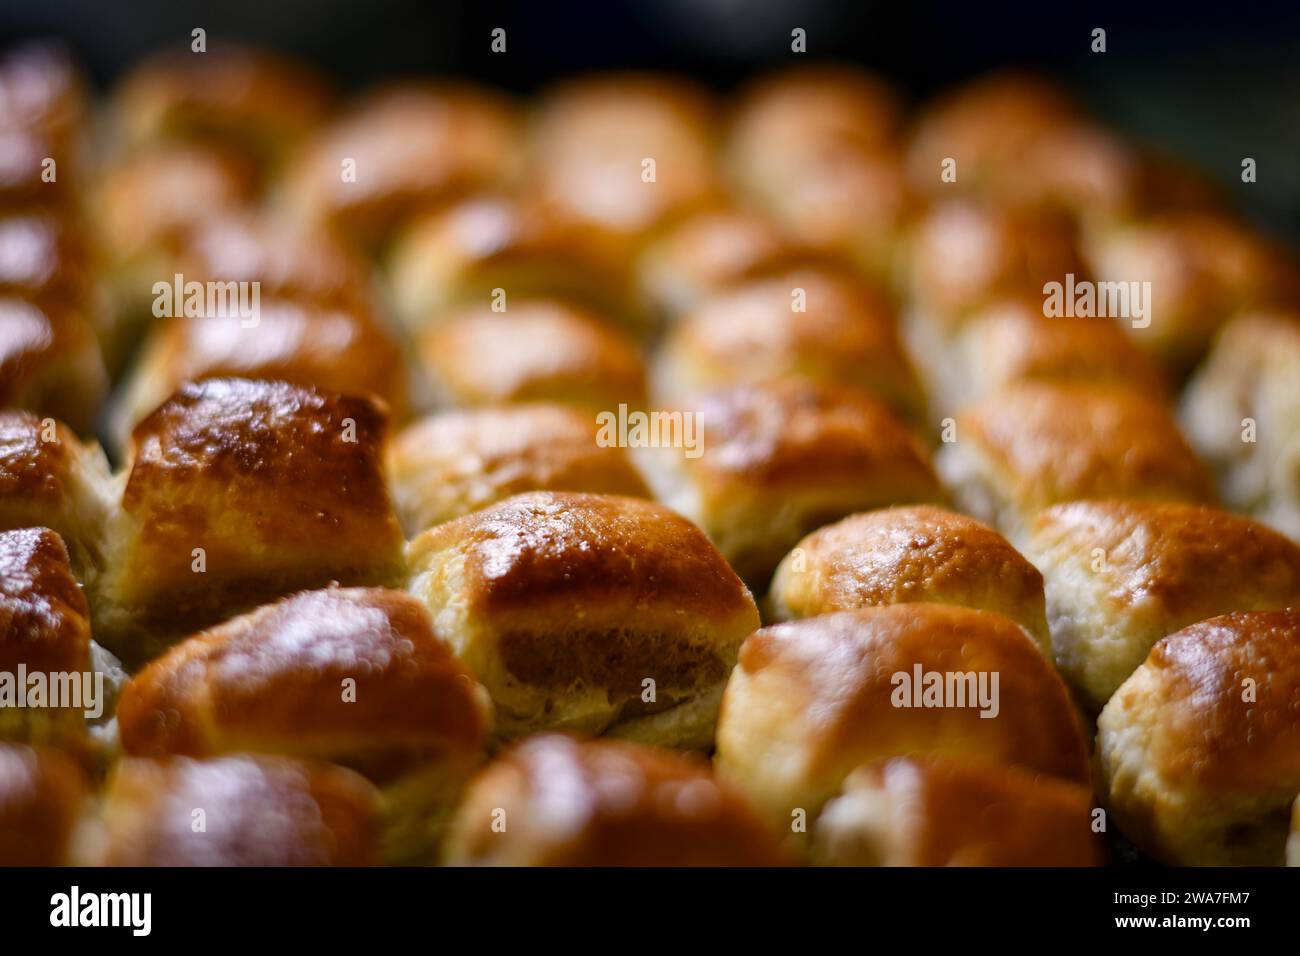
x=49 y=478
x=1201 y=268
x=1199 y=749
x=617 y=155
x=456 y=462
x=1242 y=412
x=401 y=150
x=335 y=349
x=237 y=492
x=842 y=333
x=705 y=253
x=759 y=466
x=906 y=555
x=43 y=112
x=44 y=630
x=812 y=700
x=44 y=259
x=287 y=261
x=254 y=100
x=43 y=797
x=356 y=676
x=1030 y=445
x=553 y=800
x=536 y=350
x=587 y=612
x=1019 y=140
x=964 y=255
x=238 y=811
x=459 y=256
x=1012 y=341
x=912 y=811
x=1293 y=844
x=1120 y=575
x=50 y=363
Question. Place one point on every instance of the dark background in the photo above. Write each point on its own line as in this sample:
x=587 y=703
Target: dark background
x=1214 y=82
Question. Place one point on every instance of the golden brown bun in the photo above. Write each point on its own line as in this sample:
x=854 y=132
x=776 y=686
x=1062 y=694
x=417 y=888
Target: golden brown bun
x=589 y=142
x=336 y=350
x=42 y=797
x=1012 y=341
x=815 y=148
x=705 y=253
x=1202 y=268
x=254 y=100
x=1034 y=444
x=568 y=802
x=255 y=811
x=452 y=463
x=775 y=461
x=147 y=202
x=44 y=258
x=352 y=675
x=288 y=261
x=1020 y=141
x=843 y=335
x=50 y=363
x=49 y=478
x=44 y=628
x=912 y=811
x=589 y=612
x=1242 y=412
x=1200 y=748
x=906 y=555
x=966 y=255
x=537 y=350
x=43 y=107
x=281 y=488
x=1120 y=575
x=459 y=255
x=811 y=700
x=401 y=150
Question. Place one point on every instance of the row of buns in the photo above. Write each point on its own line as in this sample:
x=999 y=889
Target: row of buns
x=366 y=584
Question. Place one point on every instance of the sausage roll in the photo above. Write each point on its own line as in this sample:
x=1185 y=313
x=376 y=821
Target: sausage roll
x=811 y=700
x=553 y=800
x=759 y=466
x=1242 y=412
x=589 y=612
x=906 y=555
x=254 y=100
x=401 y=150
x=1200 y=748
x=43 y=798
x=238 y=811
x=705 y=253
x=536 y=350
x=50 y=363
x=337 y=350
x=44 y=630
x=917 y=811
x=461 y=255
x=49 y=478
x=455 y=462
x=356 y=676
x=237 y=492
x=808 y=324
x=1200 y=268
x=1012 y=341
x=1031 y=445
x=1120 y=575
x=617 y=155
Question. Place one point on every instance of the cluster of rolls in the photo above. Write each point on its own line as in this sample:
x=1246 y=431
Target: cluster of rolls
x=911 y=574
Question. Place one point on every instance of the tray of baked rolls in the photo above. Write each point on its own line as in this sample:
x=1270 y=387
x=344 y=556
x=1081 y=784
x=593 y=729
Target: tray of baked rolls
x=633 y=474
